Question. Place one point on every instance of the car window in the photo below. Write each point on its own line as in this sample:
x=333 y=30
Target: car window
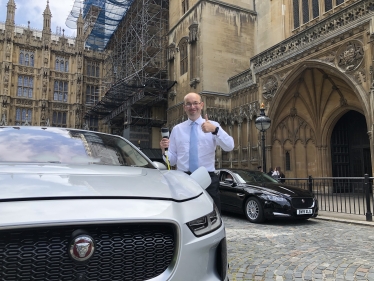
x=68 y=146
x=245 y=176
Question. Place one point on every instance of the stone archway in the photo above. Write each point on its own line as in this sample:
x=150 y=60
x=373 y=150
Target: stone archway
x=303 y=115
x=350 y=146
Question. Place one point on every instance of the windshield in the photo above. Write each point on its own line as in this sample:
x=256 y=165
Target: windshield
x=67 y=146
x=245 y=176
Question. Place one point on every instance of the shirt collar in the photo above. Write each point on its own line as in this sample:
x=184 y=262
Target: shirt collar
x=199 y=121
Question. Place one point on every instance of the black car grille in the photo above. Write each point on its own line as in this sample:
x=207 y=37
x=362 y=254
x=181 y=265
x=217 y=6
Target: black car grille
x=123 y=252
x=301 y=203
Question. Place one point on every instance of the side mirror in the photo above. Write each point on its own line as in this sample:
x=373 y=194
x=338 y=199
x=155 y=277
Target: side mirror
x=202 y=177
x=159 y=165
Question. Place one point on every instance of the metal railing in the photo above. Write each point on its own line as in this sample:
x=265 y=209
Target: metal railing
x=350 y=195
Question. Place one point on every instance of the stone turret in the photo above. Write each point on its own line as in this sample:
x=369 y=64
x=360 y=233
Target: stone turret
x=11 y=11
x=47 y=16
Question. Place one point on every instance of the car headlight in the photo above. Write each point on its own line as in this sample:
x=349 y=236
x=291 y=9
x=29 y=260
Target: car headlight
x=273 y=198
x=206 y=224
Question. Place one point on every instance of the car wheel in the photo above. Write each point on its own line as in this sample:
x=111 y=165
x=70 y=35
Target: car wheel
x=253 y=210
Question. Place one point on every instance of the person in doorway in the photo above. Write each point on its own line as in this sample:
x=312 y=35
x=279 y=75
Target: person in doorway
x=281 y=175
x=270 y=173
x=259 y=168
x=275 y=174
x=192 y=143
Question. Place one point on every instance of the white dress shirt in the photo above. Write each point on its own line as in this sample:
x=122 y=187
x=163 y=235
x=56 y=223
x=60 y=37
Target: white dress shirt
x=179 y=145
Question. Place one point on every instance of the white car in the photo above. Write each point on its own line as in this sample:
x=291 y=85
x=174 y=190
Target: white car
x=83 y=205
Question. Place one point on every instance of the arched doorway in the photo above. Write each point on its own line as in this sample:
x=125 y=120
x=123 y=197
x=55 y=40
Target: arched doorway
x=350 y=146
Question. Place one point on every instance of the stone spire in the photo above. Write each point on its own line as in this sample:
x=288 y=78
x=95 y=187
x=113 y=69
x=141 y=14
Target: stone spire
x=11 y=11
x=80 y=24
x=47 y=16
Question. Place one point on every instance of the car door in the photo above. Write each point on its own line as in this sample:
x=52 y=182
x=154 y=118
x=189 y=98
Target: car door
x=232 y=194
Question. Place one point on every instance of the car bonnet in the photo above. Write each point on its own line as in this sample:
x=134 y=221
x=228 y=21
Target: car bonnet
x=285 y=189
x=28 y=181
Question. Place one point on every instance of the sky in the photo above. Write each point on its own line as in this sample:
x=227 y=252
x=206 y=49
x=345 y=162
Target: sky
x=32 y=10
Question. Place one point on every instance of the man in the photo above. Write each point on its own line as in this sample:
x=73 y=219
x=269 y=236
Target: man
x=192 y=145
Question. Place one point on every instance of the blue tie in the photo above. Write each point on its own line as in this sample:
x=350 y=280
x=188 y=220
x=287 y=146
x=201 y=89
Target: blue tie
x=194 y=153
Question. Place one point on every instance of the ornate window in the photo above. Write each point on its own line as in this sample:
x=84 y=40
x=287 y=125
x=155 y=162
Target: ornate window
x=23 y=114
x=59 y=119
x=296 y=18
x=183 y=56
x=26 y=58
x=93 y=124
x=307 y=10
x=315 y=7
x=62 y=64
x=288 y=161
x=92 y=94
x=184 y=6
x=93 y=69
x=328 y=5
x=25 y=86
x=60 y=92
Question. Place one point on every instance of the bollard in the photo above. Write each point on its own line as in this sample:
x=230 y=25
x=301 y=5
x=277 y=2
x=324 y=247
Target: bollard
x=369 y=215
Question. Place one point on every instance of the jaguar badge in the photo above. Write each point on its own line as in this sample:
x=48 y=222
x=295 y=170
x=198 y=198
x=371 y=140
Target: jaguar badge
x=81 y=248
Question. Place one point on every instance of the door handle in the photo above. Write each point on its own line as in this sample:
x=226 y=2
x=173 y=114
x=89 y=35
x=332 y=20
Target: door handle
x=240 y=194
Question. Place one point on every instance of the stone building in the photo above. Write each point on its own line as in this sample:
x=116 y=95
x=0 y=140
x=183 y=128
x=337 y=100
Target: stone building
x=309 y=61
x=46 y=79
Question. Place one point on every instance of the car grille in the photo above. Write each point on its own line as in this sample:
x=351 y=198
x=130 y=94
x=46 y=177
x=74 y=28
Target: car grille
x=122 y=252
x=299 y=204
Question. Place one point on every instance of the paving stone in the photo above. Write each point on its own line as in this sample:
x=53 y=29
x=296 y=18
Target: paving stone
x=284 y=250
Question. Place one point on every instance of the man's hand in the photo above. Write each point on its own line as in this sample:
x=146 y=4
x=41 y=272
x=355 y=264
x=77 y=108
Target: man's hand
x=208 y=127
x=164 y=143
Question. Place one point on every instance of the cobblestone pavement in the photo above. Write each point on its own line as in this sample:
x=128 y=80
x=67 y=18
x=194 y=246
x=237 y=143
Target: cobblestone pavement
x=299 y=250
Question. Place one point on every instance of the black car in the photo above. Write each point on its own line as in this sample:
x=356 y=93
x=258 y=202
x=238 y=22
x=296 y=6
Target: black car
x=261 y=197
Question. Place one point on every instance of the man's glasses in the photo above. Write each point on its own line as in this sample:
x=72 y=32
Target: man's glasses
x=192 y=104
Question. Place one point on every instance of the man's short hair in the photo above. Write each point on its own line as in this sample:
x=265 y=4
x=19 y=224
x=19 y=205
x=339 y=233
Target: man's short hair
x=259 y=167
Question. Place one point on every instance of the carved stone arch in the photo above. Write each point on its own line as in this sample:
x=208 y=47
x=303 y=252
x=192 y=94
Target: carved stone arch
x=183 y=40
x=333 y=119
x=293 y=129
x=283 y=89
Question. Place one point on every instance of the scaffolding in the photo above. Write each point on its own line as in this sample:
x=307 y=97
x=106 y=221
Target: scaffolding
x=133 y=35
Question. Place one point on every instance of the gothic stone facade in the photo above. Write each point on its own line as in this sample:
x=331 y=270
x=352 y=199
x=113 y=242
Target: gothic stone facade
x=46 y=79
x=309 y=62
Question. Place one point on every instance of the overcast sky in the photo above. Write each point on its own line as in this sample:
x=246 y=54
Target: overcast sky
x=32 y=10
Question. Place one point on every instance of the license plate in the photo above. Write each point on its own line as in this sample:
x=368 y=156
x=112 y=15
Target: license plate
x=305 y=212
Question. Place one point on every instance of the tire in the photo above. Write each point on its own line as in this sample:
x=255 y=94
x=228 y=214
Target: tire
x=253 y=210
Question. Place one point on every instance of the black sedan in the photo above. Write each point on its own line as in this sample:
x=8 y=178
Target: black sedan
x=261 y=197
